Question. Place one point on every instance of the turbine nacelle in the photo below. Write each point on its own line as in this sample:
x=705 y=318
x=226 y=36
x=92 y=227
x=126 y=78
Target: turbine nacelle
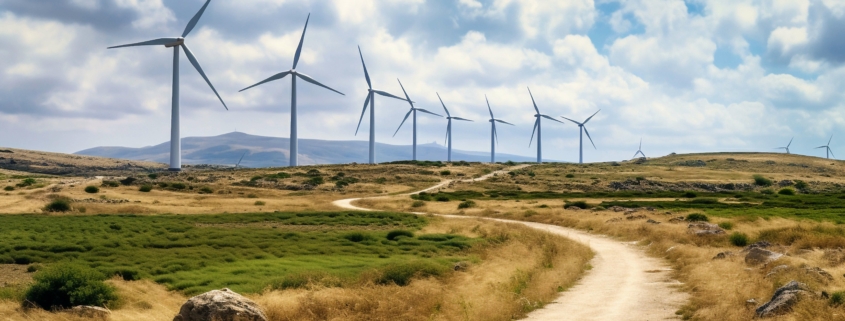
x=179 y=41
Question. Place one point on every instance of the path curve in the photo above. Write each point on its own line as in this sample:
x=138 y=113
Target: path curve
x=623 y=284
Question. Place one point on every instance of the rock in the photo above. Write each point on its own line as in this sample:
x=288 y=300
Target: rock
x=617 y=208
x=751 y=302
x=704 y=228
x=650 y=221
x=635 y=217
x=88 y=311
x=775 y=270
x=614 y=220
x=574 y=208
x=820 y=274
x=785 y=183
x=759 y=245
x=461 y=266
x=723 y=255
x=678 y=219
x=782 y=300
x=220 y=305
x=760 y=256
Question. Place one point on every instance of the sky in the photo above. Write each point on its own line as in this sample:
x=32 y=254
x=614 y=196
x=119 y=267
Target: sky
x=683 y=76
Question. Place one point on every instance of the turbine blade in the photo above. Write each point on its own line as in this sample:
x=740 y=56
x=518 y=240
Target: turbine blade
x=550 y=118
x=588 y=136
x=641 y=143
x=459 y=118
x=448 y=131
x=496 y=133
x=428 y=112
x=366 y=103
x=444 y=105
x=831 y=152
x=194 y=20
x=199 y=69
x=576 y=123
x=591 y=117
x=387 y=94
x=829 y=140
x=820 y=147
x=366 y=74
x=532 y=100
x=533 y=131
x=408 y=99
x=301 y=40
x=272 y=78
x=790 y=142
x=242 y=158
x=311 y=80
x=154 y=42
x=503 y=122
x=403 y=122
x=635 y=154
x=488 y=107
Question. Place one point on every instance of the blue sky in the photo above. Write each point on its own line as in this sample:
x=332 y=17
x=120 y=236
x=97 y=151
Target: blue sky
x=686 y=76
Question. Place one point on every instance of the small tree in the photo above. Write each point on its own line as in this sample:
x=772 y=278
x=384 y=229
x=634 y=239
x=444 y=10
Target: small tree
x=92 y=189
x=65 y=285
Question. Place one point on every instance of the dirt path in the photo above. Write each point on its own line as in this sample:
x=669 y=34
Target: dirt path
x=624 y=283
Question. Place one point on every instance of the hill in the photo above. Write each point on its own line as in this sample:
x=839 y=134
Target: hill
x=22 y=160
x=263 y=151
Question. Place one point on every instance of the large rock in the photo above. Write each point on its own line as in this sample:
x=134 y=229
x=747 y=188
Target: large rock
x=760 y=256
x=783 y=300
x=704 y=228
x=220 y=305
x=91 y=312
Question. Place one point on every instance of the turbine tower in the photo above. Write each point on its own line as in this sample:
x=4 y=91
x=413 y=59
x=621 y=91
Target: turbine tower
x=371 y=100
x=294 y=137
x=414 y=111
x=581 y=131
x=494 y=137
x=176 y=43
x=827 y=147
x=639 y=150
x=538 y=129
x=449 y=129
x=790 y=143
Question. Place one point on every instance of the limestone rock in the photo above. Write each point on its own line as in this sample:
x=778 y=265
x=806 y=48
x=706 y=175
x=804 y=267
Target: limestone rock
x=88 y=311
x=220 y=305
x=782 y=300
x=650 y=221
x=704 y=228
x=760 y=256
x=819 y=274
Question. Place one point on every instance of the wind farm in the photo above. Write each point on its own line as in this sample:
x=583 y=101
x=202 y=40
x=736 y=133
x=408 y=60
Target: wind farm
x=494 y=135
x=413 y=112
x=538 y=129
x=581 y=131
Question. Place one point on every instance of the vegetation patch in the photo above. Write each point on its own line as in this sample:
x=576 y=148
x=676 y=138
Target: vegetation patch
x=63 y=286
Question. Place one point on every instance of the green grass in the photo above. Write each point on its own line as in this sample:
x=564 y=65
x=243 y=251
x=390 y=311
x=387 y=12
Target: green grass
x=245 y=252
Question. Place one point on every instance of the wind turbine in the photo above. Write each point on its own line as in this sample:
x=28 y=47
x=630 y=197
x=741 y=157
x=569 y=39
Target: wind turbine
x=371 y=99
x=639 y=150
x=242 y=158
x=827 y=147
x=581 y=131
x=449 y=128
x=414 y=111
x=790 y=143
x=494 y=137
x=176 y=43
x=294 y=137
x=538 y=128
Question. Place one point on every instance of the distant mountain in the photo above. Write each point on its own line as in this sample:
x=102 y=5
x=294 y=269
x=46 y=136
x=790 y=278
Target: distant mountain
x=262 y=151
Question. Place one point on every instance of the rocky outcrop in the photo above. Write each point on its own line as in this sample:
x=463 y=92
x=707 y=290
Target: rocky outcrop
x=88 y=311
x=220 y=305
x=760 y=256
x=783 y=299
x=704 y=228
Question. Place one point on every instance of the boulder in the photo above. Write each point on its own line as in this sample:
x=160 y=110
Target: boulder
x=220 y=305
x=678 y=219
x=704 y=228
x=722 y=255
x=88 y=311
x=782 y=300
x=650 y=221
x=759 y=245
x=760 y=256
x=775 y=270
x=819 y=274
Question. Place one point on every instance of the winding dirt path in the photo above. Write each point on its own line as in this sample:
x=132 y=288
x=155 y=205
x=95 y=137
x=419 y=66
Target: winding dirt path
x=624 y=283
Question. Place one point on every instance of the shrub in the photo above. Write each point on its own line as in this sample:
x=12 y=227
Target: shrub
x=392 y=235
x=402 y=273
x=696 y=217
x=759 y=180
x=726 y=225
x=178 y=186
x=579 y=204
x=153 y=176
x=767 y=191
x=801 y=185
x=355 y=237
x=58 y=205
x=442 y=198
x=128 y=180
x=111 y=184
x=690 y=194
x=313 y=172
x=92 y=189
x=260 y=203
x=315 y=181
x=466 y=204
x=206 y=190
x=27 y=182
x=739 y=239
x=251 y=196
x=418 y=204
x=163 y=185
x=145 y=188
x=64 y=286
x=446 y=173
x=127 y=274
x=837 y=298
x=8 y=188
x=570 y=175
x=786 y=191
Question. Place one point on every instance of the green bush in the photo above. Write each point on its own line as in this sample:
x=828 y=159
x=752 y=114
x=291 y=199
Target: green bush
x=64 y=286
x=837 y=298
x=696 y=217
x=446 y=173
x=128 y=181
x=402 y=273
x=260 y=203
x=206 y=190
x=759 y=180
x=127 y=274
x=767 y=191
x=110 y=184
x=786 y=191
x=92 y=189
x=145 y=188
x=27 y=182
x=418 y=204
x=801 y=185
x=466 y=204
x=179 y=186
x=726 y=225
x=355 y=237
x=58 y=205
x=8 y=188
x=315 y=181
x=739 y=239
x=579 y=204
x=690 y=194
x=442 y=198
x=152 y=176
x=392 y=235
x=570 y=175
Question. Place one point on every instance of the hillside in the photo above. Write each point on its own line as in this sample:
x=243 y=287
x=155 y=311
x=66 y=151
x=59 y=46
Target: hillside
x=22 y=160
x=262 y=151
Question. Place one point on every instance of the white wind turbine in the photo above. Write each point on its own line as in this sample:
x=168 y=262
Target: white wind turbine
x=494 y=137
x=827 y=147
x=790 y=143
x=538 y=129
x=239 y=161
x=581 y=131
x=294 y=137
x=176 y=43
x=639 y=150
x=371 y=100
x=414 y=111
x=449 y=129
